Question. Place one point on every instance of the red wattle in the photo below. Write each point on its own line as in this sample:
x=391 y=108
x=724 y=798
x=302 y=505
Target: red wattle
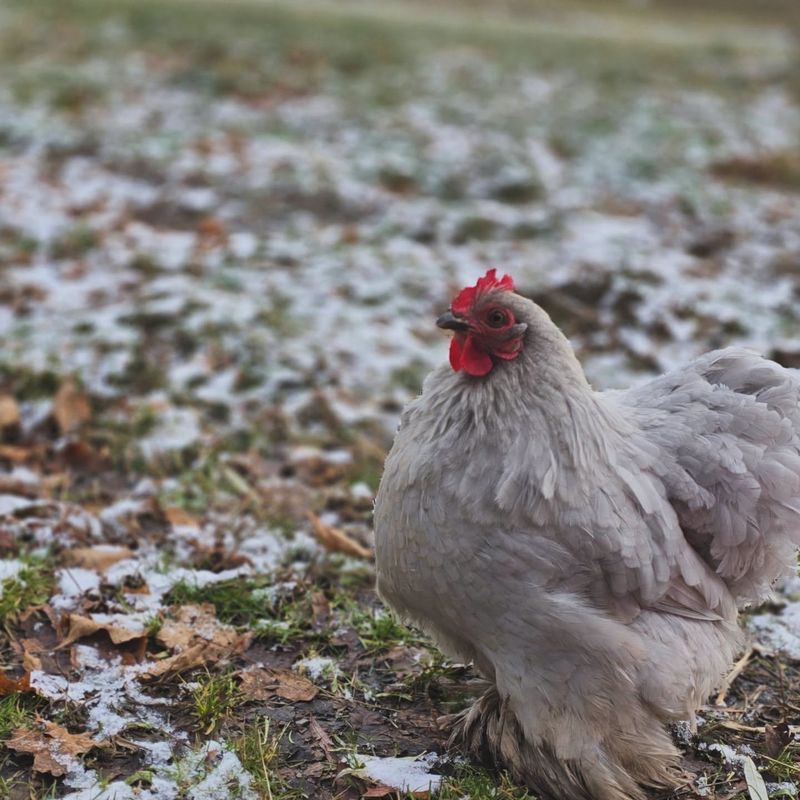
x=474 y=359
x=455 y=354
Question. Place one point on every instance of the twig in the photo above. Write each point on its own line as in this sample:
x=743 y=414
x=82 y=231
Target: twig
x=737 y=670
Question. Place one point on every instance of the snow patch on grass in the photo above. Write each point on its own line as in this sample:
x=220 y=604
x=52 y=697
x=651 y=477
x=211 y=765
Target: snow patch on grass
x=404 y=774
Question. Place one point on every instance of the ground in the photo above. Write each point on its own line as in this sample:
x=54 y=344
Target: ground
x=225 y=232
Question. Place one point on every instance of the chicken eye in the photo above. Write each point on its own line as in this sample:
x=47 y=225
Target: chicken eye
x=497 y=318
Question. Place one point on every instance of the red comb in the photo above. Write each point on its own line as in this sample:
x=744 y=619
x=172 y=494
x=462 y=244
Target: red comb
x=466 y=298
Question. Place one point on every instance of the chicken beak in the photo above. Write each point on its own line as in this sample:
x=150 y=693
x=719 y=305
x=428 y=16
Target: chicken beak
x=450 y=322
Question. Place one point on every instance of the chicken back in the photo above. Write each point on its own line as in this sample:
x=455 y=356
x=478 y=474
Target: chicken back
x=587 y=551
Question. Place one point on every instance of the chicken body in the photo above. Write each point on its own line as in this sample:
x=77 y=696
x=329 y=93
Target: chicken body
x=588 y=551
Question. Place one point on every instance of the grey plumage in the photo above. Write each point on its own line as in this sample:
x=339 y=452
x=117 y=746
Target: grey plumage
x=589 y=551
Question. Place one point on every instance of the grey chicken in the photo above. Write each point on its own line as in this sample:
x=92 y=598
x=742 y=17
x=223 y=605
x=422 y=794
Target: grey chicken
x=587 y=551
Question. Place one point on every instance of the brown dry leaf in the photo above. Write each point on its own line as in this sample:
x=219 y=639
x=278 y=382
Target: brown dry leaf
x=195 y=623
x=320 y=608
x=337 y=540
x=79 y=627
x=264 y=684
x=30 y=659
x=9 y=412
x=199 y=638
x=778 y=738
x=781 y=169
x=72 y=743
x=211 y=227
x=178 y=516
x=19 y=454
x=98 y=558
x=380 y=791
x=10 y=686
x=71 y=407
x=285 y=499
x=26 y=740
x=194 y=656
x=82 y=456
x=295 y=687
x=323 y=740
x=52 y=748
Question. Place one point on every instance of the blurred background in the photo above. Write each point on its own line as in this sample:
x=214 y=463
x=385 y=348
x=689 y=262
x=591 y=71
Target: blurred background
x=227 y=228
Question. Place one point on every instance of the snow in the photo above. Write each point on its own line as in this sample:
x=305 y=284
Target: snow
x=10 y=503
x=729 y=755
x=405 y=774
x=317 y=667
x=783 y=789
x=779 y=632
x=111 y=695
x=211 y=772
x=227 y=772
x=76 y=581
x=176 y=429
x=9 y=568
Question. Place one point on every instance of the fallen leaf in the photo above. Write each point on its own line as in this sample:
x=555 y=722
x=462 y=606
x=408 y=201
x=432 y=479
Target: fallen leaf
x=9 y=412
x=337 y=540
x=212 y=228
x=199 y=638
x=379 y=791
x=79 y=627
x=285 y=499
x=195 y=656
x=19 y=454
x=53 y=748
x=320 y=608
x=10 y=686
x=178 y=516
x=193 y=623
x=71 y=407
x=777 y=737
x=98 y=558
x=27 y=740
x=30 y=659
x=264 y=684
x=72 y=743
x=755 y=783
x=324 y=741
x=82 y=456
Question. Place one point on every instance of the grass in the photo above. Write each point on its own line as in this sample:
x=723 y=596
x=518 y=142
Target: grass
x=236 y=602
x=258 y=749
x=246 y=604
x=477 y=784
x=31 y=586
x=15 y=712
x=214 y=697
x=255 y=48
x=378 y=629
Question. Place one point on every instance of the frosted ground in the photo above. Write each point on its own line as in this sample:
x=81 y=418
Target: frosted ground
x=234 y=236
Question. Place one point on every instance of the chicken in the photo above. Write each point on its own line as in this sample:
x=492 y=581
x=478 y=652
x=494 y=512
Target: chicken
x=587 y=551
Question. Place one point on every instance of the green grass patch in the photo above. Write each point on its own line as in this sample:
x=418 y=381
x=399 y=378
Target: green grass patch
x=248 y=604
x=362 y=51
x=31 y=586
x=478 y=784
x=214 y=697
x=258 y=748
x=16 y=711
